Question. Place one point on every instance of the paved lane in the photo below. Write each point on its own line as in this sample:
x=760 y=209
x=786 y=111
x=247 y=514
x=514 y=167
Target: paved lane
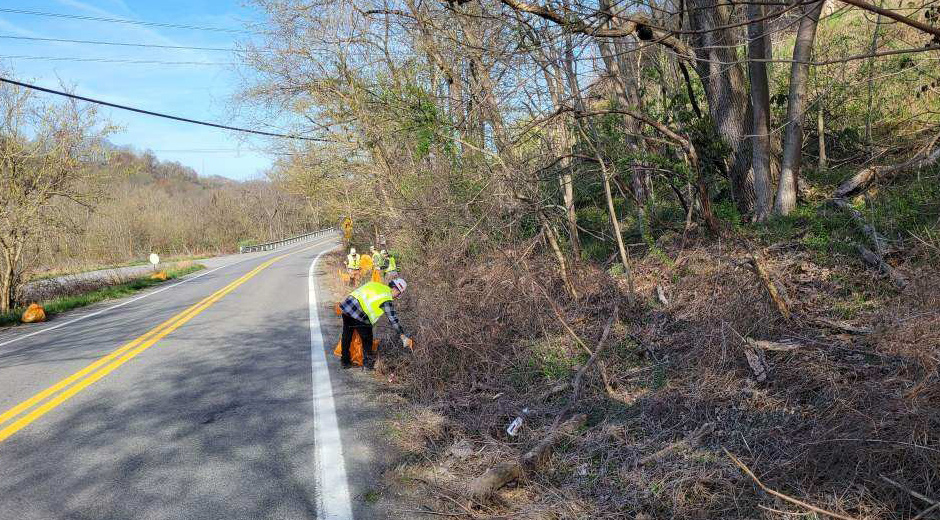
x=215 y=420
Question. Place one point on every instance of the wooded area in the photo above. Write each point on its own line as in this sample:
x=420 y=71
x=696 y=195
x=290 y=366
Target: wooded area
x=694 y=243
x=73 y=201
x=750 y=184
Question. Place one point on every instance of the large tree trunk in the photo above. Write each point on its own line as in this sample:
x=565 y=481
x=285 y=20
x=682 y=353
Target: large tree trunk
x=723 y=81
x=793 y=138
x=757 y=50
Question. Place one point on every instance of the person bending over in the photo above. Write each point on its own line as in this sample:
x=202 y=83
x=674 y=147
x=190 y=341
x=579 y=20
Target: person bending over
x=362 y=310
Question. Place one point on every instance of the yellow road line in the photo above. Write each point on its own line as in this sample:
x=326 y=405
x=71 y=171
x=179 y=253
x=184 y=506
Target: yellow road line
x=117 y=358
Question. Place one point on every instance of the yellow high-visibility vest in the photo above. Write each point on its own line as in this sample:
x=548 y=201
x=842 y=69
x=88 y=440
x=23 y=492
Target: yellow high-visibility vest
x=392 y=266
x=352 y=261
x=371 y=296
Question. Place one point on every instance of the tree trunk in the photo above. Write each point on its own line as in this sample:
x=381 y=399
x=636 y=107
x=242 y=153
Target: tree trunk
x=871 y=83
x=821 y=136
x=760 y=104
x=615 y=224
x=793 y=138
x=723 y=81
x=619 y=71
x=6 y=289
x=605 y=177
x=11 y=256
x=554 y=78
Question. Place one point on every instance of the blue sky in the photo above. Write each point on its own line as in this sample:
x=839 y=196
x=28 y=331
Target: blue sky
x=194 y=91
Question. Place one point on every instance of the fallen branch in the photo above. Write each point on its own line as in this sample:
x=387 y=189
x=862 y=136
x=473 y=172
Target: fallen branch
x=691 y=440
x=780 y=495
x=925 y=512
x=845 y=327
x=578 y=379
x=775 y=346
x=764 y=276
x=758 y=364
x=866 y=176
x=498 y=476
x=910 y=491
x=877 y=239
x=873 y=259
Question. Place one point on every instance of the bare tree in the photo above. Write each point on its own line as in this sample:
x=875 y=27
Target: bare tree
x=48 y=154
x=796 y=103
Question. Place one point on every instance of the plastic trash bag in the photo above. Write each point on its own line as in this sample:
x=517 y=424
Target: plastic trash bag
x=34 y=313
x=160 y=275
x=355 y=349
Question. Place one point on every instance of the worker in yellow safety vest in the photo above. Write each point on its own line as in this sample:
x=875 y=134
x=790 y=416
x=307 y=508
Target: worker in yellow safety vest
x=362 y=309
x=391 y=265
x=352 y=259
x=378 y=259
x=352 y=265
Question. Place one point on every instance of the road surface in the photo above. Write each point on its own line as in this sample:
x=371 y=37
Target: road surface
x=40 y=289
x=211 y=397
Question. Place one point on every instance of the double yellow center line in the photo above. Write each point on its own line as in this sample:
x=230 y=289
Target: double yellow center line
x=63 y=390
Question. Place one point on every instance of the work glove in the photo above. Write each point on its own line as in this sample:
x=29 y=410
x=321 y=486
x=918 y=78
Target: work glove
x=407 y=342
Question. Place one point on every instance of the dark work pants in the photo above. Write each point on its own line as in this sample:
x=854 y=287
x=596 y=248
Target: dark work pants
x=365 y=333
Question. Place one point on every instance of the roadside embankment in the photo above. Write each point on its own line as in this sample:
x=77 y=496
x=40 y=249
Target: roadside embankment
x=57 y=296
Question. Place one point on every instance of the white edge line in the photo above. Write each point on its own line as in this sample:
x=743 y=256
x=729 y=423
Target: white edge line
x=332 y=488
x=132 y=300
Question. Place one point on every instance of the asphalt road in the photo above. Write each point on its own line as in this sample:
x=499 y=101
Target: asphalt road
x=214 y=415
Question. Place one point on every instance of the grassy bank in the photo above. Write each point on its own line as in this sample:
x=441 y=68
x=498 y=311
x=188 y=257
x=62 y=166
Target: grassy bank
x=73 y=301
x=85 y=268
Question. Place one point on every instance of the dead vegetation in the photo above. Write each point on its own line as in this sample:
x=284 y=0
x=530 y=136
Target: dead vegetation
x=844 y=420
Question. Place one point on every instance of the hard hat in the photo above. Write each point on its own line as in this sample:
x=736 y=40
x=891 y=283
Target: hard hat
x=383 y=252
x=400 y=284
x=352 y=250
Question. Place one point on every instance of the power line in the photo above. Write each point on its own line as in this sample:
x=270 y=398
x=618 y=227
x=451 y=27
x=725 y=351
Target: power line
x=121 y=44
x=111 y=60
x=158 y=114
x=124 y=20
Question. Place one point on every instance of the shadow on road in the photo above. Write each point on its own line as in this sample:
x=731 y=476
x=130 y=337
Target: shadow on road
x=204 y=425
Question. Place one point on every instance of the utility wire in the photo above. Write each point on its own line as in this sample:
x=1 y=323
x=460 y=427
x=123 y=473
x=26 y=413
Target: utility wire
x=124 y=20
x=110 y=60
x=158 y=114
x=121 y=44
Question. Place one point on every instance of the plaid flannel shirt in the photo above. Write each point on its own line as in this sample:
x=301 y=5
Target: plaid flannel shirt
x=351 y=308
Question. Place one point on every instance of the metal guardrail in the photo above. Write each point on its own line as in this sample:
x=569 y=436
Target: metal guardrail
x=268 y=246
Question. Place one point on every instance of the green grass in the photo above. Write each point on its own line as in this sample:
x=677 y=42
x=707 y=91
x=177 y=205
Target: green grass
x=547 y=360
x=372 y=496
x=55 y=273
x=65 y=303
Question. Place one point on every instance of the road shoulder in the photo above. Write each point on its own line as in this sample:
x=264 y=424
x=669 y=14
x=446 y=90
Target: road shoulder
x=365 y=409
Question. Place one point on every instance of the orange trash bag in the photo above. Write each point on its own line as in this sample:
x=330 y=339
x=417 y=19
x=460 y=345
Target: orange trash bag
x=34 y=313
x=355 y=348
